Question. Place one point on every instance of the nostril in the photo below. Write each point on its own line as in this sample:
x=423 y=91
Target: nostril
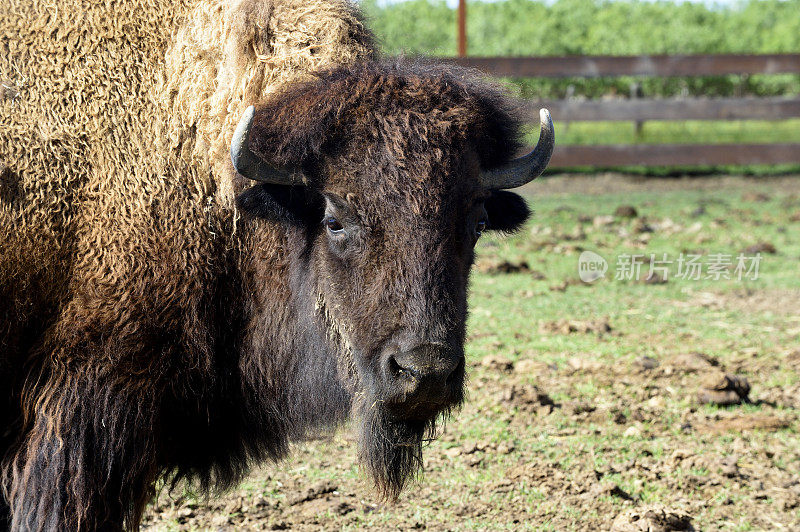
x=398 y=372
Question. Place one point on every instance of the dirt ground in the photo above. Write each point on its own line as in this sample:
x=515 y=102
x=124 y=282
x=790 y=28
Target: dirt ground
x=633 y=407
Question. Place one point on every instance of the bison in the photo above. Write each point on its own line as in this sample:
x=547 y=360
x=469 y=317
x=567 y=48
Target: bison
x=227 y=225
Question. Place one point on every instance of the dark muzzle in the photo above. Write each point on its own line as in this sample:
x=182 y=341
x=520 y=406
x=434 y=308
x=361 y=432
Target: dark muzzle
x=421 y=380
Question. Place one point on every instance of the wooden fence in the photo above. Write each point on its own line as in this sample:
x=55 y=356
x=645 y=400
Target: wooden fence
x=639 y=110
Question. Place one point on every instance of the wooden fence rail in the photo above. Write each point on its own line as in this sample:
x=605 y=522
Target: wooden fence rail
x=635 y=65
x=674 y=155
x=627 y=110
x=639 y=110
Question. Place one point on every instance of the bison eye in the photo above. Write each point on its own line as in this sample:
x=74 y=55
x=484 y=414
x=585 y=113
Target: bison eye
x=480 y=227
x=333 y=225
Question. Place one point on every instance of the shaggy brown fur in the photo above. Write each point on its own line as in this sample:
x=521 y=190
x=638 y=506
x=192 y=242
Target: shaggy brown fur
x=141 y=315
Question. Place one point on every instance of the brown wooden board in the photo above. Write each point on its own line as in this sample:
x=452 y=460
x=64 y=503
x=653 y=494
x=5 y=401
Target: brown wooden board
x=669 y=109
x=641 y=65
x=674 y=155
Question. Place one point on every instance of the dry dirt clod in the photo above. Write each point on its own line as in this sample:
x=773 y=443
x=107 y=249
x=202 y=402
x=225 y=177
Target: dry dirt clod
x=761 y=247
x=726 y=381
x=320 y=488
x=602 y=221
x=640 y=226
x=580 y=407
x=234 y=506
x=601 y=326
x=505 y=267
x=657 y=402
x=497 y=363
x=529 y=366
x=694 y=361
x=646 y=363
x=473 y=460
x=723 y=389
x=626 y=211
x=452 y=452
x=719 y=397
x=527 y=398
x=749 y=422
x=633 y=432
x=584 y=363
x=474 y=447
x=652 y=518
x=511 y=267
x=505 y=447
x=343 y=508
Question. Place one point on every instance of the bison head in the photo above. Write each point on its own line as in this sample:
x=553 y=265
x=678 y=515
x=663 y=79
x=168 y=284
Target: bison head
x=389 y=175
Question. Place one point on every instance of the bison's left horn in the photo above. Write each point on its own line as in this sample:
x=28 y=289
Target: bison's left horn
x=251 y=165
x=528 y=167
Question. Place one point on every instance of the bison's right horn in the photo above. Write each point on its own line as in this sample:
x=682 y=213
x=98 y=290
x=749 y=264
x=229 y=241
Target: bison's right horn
x=250 y=165
x=528 y=167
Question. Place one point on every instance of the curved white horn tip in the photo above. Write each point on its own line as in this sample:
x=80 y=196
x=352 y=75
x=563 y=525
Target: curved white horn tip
x=544 y=116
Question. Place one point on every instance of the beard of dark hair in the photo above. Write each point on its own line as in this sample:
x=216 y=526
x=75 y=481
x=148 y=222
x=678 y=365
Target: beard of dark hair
x=390 y=449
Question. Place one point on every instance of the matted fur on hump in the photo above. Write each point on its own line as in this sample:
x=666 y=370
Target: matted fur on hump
x=266 y=43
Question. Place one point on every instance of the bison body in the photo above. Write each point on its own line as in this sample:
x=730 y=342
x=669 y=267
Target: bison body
x=161 y=317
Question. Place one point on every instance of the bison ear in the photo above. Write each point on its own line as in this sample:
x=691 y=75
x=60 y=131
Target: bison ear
x=507 y=211
x=294 y=205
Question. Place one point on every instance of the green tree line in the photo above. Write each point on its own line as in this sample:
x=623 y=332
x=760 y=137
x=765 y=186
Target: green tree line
x=597 y=27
